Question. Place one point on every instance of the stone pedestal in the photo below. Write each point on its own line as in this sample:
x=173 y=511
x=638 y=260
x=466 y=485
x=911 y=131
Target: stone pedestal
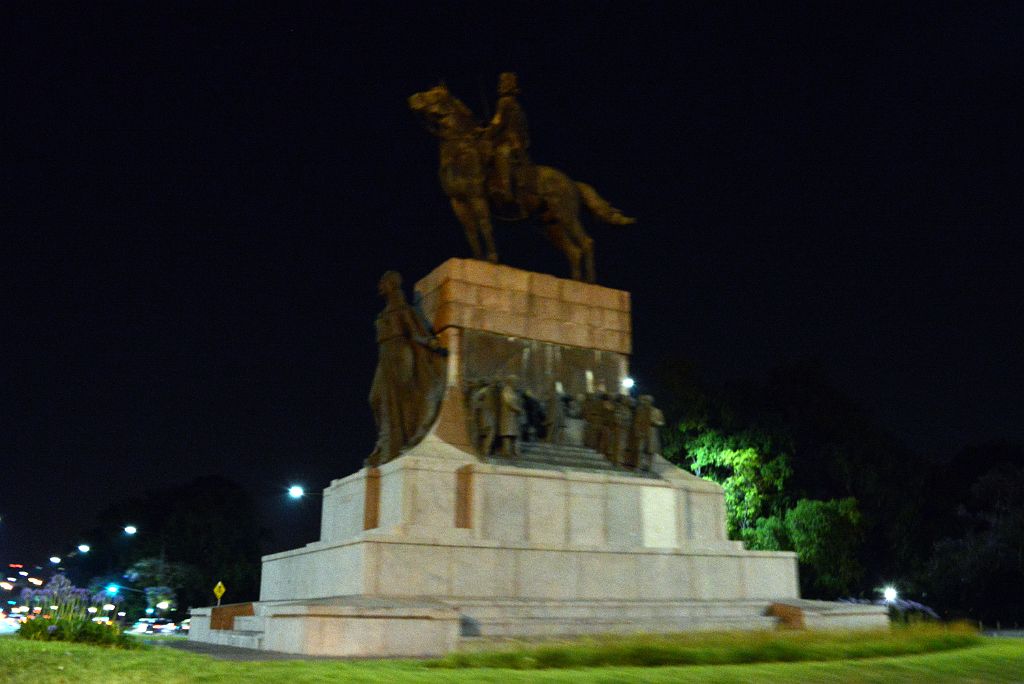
x=441 y=543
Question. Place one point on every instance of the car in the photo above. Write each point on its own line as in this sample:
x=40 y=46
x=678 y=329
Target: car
x=154 y=626
x=185 y=625
x=164 y=626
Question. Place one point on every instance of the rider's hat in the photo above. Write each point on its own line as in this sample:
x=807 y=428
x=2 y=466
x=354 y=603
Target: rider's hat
x=507 y=84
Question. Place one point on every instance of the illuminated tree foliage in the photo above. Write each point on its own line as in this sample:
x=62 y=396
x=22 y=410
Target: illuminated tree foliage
x=735 y=440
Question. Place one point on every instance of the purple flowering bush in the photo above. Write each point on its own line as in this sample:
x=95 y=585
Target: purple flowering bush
x=62 y=614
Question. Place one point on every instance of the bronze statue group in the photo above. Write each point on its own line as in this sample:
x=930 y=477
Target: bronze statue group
x=623 y=429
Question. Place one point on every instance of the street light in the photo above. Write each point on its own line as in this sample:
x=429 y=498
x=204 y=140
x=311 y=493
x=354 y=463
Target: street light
x=84 y=548
x=296 y=492
x=55 y=560
x=628 y=383
x=112 y=588
x=890 y=594
x=130 y=530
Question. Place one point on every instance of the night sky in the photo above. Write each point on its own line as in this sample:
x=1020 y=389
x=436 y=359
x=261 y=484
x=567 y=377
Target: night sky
x=197 y=207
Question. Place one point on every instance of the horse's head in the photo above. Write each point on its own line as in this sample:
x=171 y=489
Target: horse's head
x=443 y=112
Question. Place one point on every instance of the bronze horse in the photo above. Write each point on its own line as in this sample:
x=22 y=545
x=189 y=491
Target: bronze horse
x=541 y=191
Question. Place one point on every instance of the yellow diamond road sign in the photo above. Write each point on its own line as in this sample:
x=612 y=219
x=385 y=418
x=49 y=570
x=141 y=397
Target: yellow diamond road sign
x=219 y=590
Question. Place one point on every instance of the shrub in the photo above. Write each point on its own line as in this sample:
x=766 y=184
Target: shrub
x=67 y=617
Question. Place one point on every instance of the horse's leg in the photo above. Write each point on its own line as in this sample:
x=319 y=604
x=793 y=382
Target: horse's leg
x=559 y=237
x=467 y=217
x=588 y=256
x=483 y=218
x=584 y=244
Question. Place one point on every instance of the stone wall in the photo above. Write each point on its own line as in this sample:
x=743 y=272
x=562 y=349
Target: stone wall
x=478 y=295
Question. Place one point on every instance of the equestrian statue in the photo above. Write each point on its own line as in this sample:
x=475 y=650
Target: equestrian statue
x=486 y=170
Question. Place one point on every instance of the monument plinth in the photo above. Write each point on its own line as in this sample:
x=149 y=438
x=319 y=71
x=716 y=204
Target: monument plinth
x=443 y=542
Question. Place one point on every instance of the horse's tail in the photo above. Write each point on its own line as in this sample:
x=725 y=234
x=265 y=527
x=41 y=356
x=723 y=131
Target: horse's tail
x=600 y=208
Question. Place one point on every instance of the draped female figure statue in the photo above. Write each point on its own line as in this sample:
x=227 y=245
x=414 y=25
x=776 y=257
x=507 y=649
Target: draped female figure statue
x=410 y=377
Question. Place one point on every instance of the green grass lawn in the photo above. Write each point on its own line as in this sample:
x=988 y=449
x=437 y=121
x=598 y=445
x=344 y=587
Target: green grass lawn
x=991 y=660
x=711 y=648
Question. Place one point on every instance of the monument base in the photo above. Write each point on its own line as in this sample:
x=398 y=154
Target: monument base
x=442 y=545
x=455 y=549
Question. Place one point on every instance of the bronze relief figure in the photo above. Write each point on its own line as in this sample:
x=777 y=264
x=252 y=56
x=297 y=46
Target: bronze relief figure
x=410 y=378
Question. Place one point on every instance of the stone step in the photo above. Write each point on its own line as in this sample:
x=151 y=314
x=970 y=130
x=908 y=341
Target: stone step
x=482 y=619
x=235 y=637
x=546 y=456
x=250 y=623
x=606 y=468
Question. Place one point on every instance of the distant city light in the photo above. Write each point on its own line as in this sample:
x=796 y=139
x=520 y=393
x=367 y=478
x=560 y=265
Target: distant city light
x=35 y=580
x=7 y=585
x=91 y=609
x=296 y=492
x=108 y=606
x=121 y=614
x=54 y=607
x=12 y=579
x=55 y=560
x=890 y=594
x=163 y=605
x=130 y=529
x=149 y=611
x=84 y=548
x=23 y=573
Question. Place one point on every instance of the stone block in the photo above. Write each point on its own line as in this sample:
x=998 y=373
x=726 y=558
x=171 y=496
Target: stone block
x=545 y=307
x=605 y=298
x=458 y=291
x=586 y=513
x=625 y=525
x=769 y=576
x=544 y=329
x=652 y=572
x=478 y=272
x=546 y=574
x=361 y=630
x=609 y=574
x=413 y=570
x=487 y=572
x=576 y=313
x=575 y=335
x=393 y=508
x=504 y=323
x=542 y=285
x=430 y=498
x=520 y=302
x=575 y=291
x=503 y=501
x=340 y=518
x=658 y=514
x=513 y=279
x=717 y=577
x=313 y=571
x=494 y=299
x=455 y=314
x=548 y=511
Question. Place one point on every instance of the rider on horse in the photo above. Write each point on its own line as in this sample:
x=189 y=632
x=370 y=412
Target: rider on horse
x=510 y=140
